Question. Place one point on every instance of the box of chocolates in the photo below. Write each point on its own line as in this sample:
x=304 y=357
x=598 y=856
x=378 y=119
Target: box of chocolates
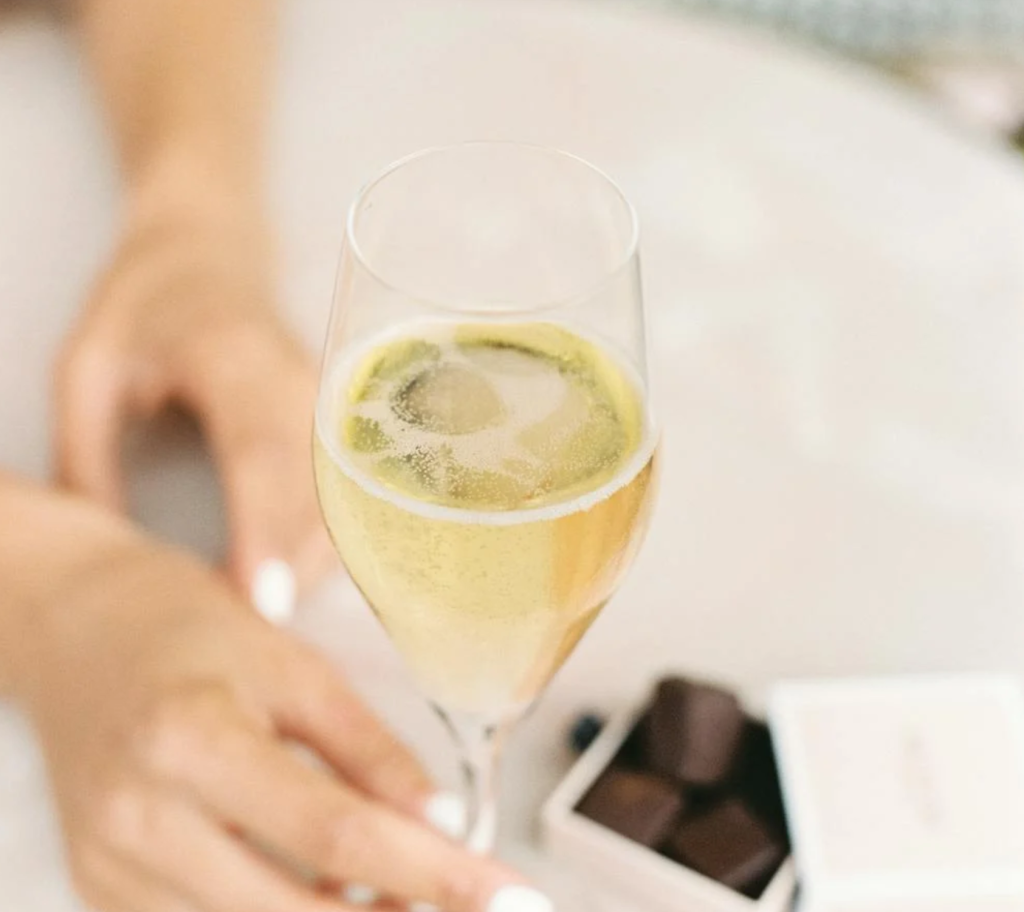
x=900 y=794
x=677 y=805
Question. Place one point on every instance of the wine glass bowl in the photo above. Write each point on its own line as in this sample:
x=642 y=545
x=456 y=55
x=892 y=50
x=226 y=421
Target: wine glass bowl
x=485 y=447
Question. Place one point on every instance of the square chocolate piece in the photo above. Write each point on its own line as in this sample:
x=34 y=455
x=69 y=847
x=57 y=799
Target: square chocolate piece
x=635 y=805
x=694 y=732
x=728 y=844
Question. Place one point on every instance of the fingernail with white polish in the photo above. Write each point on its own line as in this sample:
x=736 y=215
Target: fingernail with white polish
x=423 y=907
x=517 y=898
x=359 y=895
x=447 y=812
x=273 y=591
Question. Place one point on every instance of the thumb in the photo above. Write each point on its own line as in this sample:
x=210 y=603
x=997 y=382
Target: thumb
x=257 y=472
x=90 y=409
x=256 y=408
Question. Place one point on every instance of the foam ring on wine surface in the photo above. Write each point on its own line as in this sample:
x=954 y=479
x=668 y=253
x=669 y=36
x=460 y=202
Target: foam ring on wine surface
x=340 y=379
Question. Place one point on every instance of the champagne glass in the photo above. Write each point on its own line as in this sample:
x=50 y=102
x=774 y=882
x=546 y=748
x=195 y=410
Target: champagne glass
x=485 y=444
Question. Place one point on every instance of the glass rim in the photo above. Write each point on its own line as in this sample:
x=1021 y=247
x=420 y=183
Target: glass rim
x=355 y=249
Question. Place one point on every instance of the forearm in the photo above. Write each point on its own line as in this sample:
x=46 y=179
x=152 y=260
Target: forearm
x=46 y=540
x=184 y=84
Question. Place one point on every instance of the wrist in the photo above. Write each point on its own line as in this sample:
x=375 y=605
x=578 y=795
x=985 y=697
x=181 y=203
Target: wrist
x=56 y=543
x=182 y=185
x=186 y=228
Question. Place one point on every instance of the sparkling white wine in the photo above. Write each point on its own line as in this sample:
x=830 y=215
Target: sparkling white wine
x=486 y=485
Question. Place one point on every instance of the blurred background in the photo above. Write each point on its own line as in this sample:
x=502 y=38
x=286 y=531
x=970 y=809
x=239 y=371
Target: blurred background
x=969 y=54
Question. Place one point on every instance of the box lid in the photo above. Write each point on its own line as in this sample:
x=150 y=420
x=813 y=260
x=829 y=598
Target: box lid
x=904 y=790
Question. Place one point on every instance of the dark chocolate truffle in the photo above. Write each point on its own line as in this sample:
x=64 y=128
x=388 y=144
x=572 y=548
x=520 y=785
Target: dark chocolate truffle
x=635 y=805
x=694 y=732
x=728 y=844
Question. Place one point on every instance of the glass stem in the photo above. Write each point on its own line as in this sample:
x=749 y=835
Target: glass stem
x=480 y=742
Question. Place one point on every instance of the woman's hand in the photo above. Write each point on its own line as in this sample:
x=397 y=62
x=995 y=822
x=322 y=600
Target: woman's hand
x=164 y=707
x=184 y=315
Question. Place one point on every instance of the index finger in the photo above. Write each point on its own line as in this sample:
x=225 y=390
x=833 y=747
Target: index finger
x=317 y=707
x=319 y=823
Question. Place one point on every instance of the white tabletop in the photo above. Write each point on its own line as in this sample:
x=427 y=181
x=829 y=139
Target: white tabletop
x=836 y=285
